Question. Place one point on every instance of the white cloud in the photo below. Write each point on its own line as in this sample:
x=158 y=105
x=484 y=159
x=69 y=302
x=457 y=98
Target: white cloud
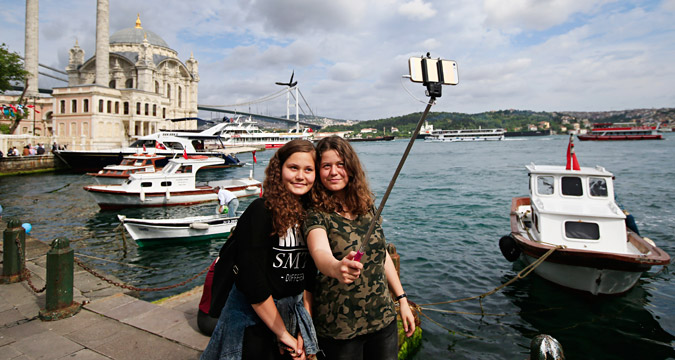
x=535 y=14
x=417 y=9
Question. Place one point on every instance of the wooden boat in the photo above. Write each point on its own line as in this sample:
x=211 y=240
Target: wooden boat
x=132 y=164
x=574 y=209
x=621 y=131
x=174 y=185
x=148 y=232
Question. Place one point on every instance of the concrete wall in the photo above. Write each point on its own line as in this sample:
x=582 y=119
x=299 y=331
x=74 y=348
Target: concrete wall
x=15 y=165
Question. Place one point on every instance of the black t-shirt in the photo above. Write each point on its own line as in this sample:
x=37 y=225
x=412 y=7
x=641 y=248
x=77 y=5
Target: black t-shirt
x=269 y=264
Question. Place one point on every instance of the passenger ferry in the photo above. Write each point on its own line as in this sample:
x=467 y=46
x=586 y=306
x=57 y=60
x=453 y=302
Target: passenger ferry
x=621 y=131
x=466 y=135
x=245 y=132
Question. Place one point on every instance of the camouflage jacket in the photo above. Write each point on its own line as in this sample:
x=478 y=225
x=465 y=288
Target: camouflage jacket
x=365 y=306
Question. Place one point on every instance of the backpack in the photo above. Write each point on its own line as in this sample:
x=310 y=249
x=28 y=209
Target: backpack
x=224 y=274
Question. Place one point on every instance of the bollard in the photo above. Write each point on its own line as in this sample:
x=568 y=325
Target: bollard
x=60 y=262
x=395 y=258
x=13 y=253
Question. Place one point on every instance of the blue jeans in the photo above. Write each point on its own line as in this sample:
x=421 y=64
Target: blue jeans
x=380 y=345
x=232 y=206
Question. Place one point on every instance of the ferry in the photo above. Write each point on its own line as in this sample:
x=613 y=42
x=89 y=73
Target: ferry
x=621 y=131
x=466 y=135
x=245 y=132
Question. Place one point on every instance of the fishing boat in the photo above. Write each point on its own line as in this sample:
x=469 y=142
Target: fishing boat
x=132 y=164
x=466 y=135
x=572 y=209
x=148 y=232
x=164 y=143
x=174 y=185
x=621 y=131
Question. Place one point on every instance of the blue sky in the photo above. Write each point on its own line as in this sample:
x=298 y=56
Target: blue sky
x=349 y=55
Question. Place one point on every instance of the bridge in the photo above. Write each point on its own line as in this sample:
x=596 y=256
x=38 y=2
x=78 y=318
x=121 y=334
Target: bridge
x=266 y=117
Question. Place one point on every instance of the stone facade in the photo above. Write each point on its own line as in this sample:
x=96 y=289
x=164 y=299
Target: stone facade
x=146 y=85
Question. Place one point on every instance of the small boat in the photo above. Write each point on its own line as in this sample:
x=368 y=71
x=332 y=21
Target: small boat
x=174 y=185
x=466 y=135
x=148 y=232
x=621 y=131
x=132 y=164
x=572 y=209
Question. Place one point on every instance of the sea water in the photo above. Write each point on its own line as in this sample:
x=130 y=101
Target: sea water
x=446 y=214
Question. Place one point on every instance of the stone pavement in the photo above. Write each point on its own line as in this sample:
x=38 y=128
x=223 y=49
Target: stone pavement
x=111 y=325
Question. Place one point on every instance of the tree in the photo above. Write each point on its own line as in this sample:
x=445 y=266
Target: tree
x=11 y=68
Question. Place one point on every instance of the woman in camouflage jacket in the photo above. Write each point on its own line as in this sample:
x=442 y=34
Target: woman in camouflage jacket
x=353 y=312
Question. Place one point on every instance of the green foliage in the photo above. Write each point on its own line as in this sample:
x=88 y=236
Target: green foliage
x=11 y=68
x=4 y=129
x=408 y=346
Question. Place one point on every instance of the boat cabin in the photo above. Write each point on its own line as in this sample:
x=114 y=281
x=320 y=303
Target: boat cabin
x=576 y=208
x=179 y=174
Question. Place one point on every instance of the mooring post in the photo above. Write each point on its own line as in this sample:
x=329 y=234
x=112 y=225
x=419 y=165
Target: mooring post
x=395 y=257
x=13 y=252
x=60 y=263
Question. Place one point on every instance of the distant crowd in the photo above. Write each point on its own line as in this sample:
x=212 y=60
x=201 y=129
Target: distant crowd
x=30 y=150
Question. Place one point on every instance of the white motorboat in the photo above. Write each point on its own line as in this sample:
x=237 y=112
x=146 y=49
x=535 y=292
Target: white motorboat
x=132 y=164
x=174 y=185
x=466 y=135
x=573 y=208
x=245 y=132
x=148 y=232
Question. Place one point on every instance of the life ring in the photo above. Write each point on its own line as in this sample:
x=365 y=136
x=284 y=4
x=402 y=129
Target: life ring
x=509 y=248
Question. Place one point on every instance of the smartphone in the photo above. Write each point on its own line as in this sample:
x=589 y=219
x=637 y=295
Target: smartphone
x=433 y=70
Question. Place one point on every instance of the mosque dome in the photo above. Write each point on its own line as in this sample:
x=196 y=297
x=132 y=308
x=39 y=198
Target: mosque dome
x=135 y=35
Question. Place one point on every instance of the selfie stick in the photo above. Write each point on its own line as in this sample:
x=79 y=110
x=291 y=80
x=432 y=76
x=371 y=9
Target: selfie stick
x=433 y=91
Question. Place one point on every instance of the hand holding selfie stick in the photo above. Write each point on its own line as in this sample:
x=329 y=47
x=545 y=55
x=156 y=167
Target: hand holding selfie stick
x=421 y=70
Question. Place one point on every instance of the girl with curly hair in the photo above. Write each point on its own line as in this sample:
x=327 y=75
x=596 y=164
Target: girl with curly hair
x=354 y=313
x=267 y=313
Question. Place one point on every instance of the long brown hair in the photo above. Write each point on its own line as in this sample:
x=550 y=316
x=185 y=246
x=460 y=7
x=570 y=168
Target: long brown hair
x=287 y=209
x=358 y=197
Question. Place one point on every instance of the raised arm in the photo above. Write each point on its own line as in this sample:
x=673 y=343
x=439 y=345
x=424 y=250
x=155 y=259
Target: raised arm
x=345 y=270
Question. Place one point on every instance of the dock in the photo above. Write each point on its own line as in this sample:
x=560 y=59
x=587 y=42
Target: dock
x=111 y=324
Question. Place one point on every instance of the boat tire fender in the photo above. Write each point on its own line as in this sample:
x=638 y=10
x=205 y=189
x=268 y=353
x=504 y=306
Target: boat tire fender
x=509 y=248
x=199 y=226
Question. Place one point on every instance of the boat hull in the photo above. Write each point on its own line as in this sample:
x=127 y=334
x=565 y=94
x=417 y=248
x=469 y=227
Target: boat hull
x=156 y=232
x=620 y=137
x=596 y=272
x=93 y=161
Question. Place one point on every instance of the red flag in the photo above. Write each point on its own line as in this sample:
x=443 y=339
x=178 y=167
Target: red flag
x=144 y=149
x=572 y=163
x=255 y=160
x=185 y=154
x=310 y=130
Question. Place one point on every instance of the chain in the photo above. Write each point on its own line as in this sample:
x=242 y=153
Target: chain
x=25 y=273
x=133 y=288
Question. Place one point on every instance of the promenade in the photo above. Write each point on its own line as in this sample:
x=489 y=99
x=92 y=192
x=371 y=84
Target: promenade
x=111 y=324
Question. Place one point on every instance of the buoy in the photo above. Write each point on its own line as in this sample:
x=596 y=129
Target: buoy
x=27 y=226
x=199 y=226
x=509 y=248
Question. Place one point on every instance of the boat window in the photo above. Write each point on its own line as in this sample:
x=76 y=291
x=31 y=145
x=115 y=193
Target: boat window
x=146 y=184
x=166 y=183
x=174 y=145
x=535 y=219
x=571 y=186
x=545 y=185
x=185 y=169
x=582 y=230
x=169 y=168
x=598 y=187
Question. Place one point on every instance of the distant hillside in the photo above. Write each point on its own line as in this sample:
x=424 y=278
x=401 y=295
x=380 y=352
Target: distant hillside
x=513 y=120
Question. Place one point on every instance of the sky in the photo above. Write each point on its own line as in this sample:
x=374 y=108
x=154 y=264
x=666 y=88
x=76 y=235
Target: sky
x=349 y=56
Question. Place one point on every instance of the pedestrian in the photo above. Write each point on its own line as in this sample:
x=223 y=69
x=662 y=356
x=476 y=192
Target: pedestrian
x=354 y=313
x=40 y=149
x=267 y=313
x=227 y=202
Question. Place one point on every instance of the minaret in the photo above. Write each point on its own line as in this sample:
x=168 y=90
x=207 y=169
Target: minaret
x=31 y=47
x=102 y=43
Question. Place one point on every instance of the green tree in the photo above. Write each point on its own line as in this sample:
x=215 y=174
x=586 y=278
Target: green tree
x=11 y=68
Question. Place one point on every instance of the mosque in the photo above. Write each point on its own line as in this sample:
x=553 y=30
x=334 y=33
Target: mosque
x=131 y=86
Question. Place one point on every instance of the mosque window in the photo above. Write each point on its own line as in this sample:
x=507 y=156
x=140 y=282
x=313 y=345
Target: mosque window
x=62 y=105
x=85 y=105
x=100 y=106
x=126 y=108
x=112 y=84
x=138 y=108
x=73 y=106
x=168 y=91
x=129 y=84
x=154 y=109
x=157 y=87
x=180 y=96
x=117 y=107
x=109 y=106
x=147 y=109
x=163 y=113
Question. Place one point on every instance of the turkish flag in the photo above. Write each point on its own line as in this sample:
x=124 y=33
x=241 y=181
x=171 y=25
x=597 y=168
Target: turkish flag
x=255 y=160
x=144 y=148
x=185 y=154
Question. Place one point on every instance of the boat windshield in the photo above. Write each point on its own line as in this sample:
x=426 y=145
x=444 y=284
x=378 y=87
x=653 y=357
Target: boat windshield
x=545 y=185
x=170 y=167
x=571 y=186
x=598 y=187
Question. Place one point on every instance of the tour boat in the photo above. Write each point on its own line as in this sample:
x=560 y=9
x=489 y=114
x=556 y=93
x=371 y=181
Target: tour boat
x=174 y=185
x=165 y=143
x=245 y=132
x=466 y=135
x=572 y=209
x=132 y=164
x=621 y=131
x=160 y=231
